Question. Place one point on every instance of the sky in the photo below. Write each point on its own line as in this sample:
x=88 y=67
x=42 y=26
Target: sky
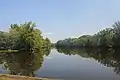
x=60 y=19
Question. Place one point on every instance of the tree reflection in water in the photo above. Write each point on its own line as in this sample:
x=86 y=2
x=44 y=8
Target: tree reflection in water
x=26 y=63
x=23 y=63
x=107 y=57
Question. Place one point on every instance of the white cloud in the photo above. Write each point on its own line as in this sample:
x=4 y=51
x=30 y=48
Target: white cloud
x=48 y=33
x=49 y=57
x=73 y=36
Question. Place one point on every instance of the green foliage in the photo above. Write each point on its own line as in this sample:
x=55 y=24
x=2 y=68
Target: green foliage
x=23 y=37
x=82 y=41
x=104 y=37
x=108 y=37
x=116 y=37
x=4 y=40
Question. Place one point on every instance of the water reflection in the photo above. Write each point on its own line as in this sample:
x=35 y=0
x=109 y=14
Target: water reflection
x=26 y=63
x=23 y=63
x=107 y=57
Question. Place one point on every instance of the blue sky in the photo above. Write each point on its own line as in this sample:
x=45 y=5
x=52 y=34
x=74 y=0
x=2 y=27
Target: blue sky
x=59 y=19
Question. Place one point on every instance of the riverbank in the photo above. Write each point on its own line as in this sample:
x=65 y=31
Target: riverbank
x=17 y=77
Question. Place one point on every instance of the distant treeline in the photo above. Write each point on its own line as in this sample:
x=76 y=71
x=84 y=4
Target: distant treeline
x=109 y=37
x=23 y=37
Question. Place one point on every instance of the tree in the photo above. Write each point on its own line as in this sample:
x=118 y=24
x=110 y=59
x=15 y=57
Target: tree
x=104 y=37
x=116 y=30
x=25 y=36
x=4 y=40
x=82 y=41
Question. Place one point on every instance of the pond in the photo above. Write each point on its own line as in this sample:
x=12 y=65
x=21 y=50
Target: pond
x=64 y=63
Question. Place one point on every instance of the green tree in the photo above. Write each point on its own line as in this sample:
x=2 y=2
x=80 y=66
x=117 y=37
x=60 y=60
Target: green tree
x=116 y=30
x=104 y=38
x=25 y=36
x=4 y=40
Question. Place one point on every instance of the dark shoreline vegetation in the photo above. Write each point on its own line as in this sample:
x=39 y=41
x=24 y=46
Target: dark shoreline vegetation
x=107 y=38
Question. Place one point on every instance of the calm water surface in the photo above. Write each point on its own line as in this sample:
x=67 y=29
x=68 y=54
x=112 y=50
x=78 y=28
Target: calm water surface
x=62 y=64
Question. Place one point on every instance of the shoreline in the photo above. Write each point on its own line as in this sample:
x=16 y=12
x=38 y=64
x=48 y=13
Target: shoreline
x=18 y=77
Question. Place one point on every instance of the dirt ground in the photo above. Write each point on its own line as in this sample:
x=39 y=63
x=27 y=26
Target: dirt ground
x=14 y=77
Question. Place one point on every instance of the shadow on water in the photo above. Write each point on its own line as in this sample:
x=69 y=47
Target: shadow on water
x=23 y=63
x=105 y=56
